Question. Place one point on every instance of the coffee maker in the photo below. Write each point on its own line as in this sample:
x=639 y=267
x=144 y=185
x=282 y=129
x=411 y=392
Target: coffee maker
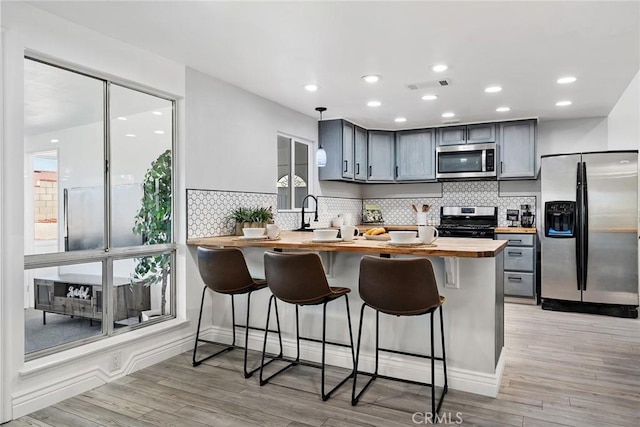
x=527 y=218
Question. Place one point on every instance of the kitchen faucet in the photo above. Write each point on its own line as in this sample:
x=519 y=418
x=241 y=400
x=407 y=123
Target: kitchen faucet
x=304 y=225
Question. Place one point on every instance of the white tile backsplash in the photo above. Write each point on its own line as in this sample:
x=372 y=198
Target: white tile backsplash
x=208 y=210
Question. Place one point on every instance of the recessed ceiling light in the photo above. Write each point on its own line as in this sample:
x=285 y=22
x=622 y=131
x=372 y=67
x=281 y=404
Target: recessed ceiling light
x=400 y=119
x=130 y=135
x=122 y=118
x=430 y=97
x=159 y=132
x=503 y=109
x=493 y=89
x=374 y=103
x=311 y=87
x=157 y=113
x=371 y=78
x=563 y=103
x=447 y=115
x=439 y=68
x=54 y=140
x=565 y=80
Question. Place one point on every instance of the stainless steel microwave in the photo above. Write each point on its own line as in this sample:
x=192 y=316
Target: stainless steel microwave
x=466 y=161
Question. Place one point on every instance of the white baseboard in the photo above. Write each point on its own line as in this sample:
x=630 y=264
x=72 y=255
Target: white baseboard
x=395 y=365
x=41 y=396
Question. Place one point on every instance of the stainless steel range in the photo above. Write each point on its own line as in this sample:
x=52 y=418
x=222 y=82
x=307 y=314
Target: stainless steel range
x=477 y=222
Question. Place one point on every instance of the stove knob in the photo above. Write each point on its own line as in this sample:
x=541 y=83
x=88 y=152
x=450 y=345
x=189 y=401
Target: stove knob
x=475 y=233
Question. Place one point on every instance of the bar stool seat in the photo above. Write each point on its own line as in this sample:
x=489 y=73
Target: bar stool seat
x=299 y=279
x=225 y=271
x=400 y=287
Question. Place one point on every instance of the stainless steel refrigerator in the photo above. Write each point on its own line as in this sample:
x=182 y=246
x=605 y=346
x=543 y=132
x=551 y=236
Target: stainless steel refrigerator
x=590 y=230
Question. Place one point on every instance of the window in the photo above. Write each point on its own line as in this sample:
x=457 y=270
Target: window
x=99 y=257
x=291 y=192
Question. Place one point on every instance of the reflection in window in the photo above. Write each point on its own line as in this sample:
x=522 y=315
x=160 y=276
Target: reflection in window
x=290 y=197
x=67 y=149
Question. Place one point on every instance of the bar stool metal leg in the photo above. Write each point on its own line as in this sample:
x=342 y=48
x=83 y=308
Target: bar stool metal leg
x=444 y=354
x=196 y=362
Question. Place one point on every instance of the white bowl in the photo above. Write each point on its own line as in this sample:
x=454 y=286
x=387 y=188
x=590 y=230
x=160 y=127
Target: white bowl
x=402 y=236
x=325 y=234
x=253 y=232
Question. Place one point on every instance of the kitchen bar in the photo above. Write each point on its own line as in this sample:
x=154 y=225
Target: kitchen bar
x=469 y=273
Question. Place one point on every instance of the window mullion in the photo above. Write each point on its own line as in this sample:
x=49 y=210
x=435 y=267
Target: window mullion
x=292 y=174
x=107 y=296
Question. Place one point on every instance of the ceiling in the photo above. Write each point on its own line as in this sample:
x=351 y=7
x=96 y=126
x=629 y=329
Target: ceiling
x=274 y=49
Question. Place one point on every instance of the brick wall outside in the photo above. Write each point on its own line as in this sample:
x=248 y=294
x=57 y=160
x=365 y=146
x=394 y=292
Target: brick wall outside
x=45 y=203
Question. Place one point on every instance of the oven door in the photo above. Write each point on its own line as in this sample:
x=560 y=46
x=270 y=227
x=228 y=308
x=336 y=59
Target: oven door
x=466 y=161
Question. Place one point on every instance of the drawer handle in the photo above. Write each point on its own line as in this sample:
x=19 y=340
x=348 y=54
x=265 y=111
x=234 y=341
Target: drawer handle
x=515 y=279
x=515 y=253
x=514 y=240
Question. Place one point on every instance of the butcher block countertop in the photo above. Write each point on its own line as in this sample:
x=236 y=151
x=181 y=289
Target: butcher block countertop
x=518 y=230
x=445 y=246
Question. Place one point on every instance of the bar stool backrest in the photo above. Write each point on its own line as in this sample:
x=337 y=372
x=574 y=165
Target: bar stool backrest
x=400 y=286
x=224 y=270
x=296 y=278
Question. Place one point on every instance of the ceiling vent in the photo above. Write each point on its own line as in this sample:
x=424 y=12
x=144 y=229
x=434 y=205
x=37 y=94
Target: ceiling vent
x=429 y=85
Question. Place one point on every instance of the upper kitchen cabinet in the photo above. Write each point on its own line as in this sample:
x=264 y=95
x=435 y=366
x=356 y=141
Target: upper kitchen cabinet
x=381 y=156
x=415 y=155
x=360 y=155
x=337 y=138
x=470 y=134
x=517 y=149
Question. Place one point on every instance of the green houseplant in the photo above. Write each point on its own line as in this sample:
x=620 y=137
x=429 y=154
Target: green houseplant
x=250 y=218
x=153 y=223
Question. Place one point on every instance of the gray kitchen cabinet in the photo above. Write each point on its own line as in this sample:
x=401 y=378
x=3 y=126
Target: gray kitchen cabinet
x=380 y=155
x=348 y=165
x=337 y=138
x=360 y=155
x=519 y=264
x=470 y=134
x=517 y=149
x=415 y=155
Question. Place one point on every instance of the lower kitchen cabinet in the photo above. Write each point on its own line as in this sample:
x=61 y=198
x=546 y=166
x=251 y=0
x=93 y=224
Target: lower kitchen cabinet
x=519 y=264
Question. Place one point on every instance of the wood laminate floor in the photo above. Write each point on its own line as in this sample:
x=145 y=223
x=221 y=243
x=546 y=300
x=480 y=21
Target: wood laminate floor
x=561 y=369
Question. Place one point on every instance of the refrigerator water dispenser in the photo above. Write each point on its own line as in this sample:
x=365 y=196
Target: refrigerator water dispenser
x=560 y=219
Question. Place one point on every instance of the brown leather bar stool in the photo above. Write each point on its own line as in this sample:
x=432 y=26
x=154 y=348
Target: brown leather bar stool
x=225 y=271
x=400 y=287
x=298 y=278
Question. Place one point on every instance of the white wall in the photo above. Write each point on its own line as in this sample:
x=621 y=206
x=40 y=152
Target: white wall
x=28 y=386
x=571 y=136
x=232 y=136
x=624 y=119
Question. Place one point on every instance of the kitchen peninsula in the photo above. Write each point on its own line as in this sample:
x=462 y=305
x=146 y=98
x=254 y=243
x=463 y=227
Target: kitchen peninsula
x=469 y=274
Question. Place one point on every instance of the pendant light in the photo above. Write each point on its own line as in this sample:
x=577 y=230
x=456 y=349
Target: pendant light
x=321 y=154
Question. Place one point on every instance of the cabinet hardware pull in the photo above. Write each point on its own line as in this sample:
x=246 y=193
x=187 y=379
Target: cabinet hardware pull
x=515 y=240
x=369 y=171
x=396 y=171
x=501 y=168
x=346 y=167
x=515 y=253
x=515 y=279
x=357 y=168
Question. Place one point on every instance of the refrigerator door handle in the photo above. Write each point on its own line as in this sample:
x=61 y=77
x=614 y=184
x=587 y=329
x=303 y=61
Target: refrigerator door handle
x=578 y=225
x=585 y=226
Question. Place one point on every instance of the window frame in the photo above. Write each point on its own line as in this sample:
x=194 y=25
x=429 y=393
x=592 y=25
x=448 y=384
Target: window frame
x=310 y=169
x=108 y=255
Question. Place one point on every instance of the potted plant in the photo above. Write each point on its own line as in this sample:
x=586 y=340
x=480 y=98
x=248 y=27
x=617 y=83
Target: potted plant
x=250 y=218
x=153 y=223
